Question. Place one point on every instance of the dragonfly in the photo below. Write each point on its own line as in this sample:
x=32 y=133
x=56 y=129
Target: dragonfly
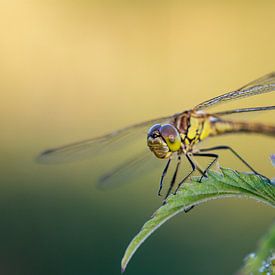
x=177 y=136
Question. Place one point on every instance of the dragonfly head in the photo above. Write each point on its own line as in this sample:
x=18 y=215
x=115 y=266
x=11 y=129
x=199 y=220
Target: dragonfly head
x=163 y=140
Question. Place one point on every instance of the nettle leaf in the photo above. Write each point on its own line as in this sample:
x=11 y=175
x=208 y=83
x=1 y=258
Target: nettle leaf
x=263 y=261
x=218 y=185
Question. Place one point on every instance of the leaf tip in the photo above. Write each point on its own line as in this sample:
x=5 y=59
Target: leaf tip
x=123 y=265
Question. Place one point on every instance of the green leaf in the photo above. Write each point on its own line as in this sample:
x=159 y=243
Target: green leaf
x=263 y=261
x=228 y=183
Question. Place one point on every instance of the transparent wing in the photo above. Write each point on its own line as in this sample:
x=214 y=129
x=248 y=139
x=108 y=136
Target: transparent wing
x=108 y=143
x=262 y=85
x=140 y=165
x=123 y=155
x=245 y=110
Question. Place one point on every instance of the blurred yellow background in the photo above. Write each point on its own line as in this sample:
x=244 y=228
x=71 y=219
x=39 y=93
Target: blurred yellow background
x=77 y=69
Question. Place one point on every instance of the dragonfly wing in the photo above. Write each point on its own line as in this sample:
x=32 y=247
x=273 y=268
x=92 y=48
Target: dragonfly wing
x=129 y=171
x=262 y=85
x=107 y=143
x=245 y=110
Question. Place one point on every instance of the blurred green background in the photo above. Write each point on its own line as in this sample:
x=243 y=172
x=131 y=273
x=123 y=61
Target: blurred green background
x=77 y=69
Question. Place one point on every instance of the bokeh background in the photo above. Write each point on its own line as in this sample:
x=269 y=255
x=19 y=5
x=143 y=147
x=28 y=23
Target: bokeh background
x=71 y=70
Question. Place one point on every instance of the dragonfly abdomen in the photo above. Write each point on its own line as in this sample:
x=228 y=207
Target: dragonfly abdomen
x=220 y=127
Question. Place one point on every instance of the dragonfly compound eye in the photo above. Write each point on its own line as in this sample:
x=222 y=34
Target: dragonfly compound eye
x=154 y=131
x=171 y=136
x=156 y=142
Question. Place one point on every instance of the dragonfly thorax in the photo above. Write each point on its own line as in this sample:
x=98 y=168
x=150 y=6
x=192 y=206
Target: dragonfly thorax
x=163 y=140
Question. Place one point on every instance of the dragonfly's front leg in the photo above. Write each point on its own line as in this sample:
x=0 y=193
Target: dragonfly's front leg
x=173 y=179
x=163 y=175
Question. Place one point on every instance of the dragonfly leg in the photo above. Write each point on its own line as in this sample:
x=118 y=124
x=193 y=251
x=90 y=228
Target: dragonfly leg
x=225 y=147
x=194 y=167
x=189 y=208
x=188 y=175
x=173 y=180
x=210 y=155
x=163 y=175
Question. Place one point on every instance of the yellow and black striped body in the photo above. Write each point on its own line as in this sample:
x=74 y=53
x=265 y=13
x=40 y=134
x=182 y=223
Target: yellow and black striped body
x=195 y=126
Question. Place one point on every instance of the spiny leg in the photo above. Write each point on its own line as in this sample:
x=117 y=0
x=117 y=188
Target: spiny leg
x=225 y=147
x=173 y=179
x=163 y=175
x=210 y=155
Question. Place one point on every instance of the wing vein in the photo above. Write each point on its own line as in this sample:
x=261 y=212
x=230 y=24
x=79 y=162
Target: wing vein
x=262 y=85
